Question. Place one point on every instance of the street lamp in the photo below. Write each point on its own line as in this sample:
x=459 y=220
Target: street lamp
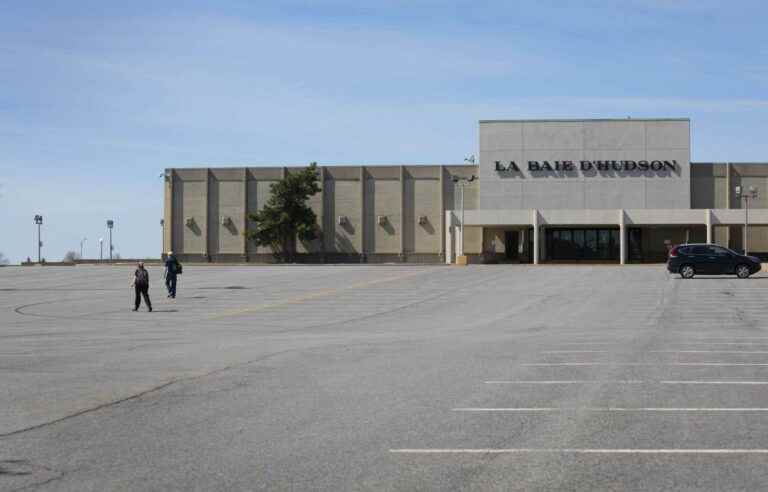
x=110 y=225
x=83 y=241
x=749 y=194
x=101 y=249
x=462 y=182
x=39 y=222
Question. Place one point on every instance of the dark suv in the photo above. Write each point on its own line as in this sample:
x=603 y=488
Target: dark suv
x=710 y=259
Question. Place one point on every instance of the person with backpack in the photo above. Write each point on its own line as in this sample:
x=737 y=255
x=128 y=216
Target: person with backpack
x=141 y=286
x=172 y=270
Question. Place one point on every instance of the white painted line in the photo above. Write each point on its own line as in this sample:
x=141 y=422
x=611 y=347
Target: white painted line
x=726 y=338
x=571 y=381
x=709 y=351
x=593 y=343
x=724 y=343
x=716 y=382
x=610 y=409
x=693 y=364
x=574 y=351
x=575 y=451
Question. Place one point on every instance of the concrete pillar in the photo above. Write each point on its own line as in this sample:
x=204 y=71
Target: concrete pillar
x=521 y=243
x=244 y=225
x=535 y=222
x=207 y=218
x=708 y=222
x=728 y=191
x=168 y=222
x=363 y=225
x=323 y=213
x=443 y=228
x=622 y=239
x=448 y=237
x=403 y=225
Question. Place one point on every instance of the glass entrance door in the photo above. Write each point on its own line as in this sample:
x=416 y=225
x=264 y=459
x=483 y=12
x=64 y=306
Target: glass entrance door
x=583 y=244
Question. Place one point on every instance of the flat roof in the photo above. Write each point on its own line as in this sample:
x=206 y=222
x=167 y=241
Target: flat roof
x=577 y=120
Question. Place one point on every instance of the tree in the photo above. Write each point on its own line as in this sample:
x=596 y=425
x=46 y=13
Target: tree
x=3 y=260
x=71 y=257
x=286 y=215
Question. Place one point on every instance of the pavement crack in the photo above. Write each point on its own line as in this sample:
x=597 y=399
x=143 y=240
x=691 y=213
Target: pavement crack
x=139 y=395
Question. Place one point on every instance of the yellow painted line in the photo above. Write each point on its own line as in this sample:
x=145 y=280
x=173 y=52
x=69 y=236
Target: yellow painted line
x=314 y=295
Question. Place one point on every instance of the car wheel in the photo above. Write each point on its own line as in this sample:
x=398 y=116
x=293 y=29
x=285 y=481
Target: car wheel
x=742 y=271
x=687 y=271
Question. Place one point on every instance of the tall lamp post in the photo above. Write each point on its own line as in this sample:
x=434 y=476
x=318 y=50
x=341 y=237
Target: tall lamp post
x=39 y=222
x=83 y=241
x=749 y=194
x=462 y=182
x=110 y=225
x=101 y=249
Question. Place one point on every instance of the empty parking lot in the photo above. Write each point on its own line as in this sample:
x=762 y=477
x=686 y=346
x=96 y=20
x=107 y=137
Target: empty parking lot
x=384 y=377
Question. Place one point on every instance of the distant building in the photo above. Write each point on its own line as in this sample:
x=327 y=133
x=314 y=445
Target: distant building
x=547 y=191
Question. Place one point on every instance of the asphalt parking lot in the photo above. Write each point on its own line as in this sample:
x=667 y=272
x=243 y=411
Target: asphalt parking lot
x=384 y=378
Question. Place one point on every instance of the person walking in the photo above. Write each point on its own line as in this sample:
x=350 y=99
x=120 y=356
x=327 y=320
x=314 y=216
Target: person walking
x=172 y=270
x=141 y=287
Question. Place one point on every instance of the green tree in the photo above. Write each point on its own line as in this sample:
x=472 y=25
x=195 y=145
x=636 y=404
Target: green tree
x=286 y=215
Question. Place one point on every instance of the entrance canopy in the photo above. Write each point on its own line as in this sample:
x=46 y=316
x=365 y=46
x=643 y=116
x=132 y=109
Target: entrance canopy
x=587 y=221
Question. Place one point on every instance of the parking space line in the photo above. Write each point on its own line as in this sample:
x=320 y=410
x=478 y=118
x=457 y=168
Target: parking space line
x=724 y=343
x=724 y=451
x=716 y=382
x=569 y=381
x=708 y=351
x=610 y=409
x=574 y=351
x=692 y=364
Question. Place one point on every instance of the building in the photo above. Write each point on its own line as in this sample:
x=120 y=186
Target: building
x=546 y=191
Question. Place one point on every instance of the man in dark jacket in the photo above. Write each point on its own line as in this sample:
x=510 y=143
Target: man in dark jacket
x=171 y=272
x=141 y=286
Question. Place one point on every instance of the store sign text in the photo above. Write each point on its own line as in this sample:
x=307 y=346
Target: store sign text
x=566 y=166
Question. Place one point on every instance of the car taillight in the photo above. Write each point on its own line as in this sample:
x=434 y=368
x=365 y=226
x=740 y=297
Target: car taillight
x=673 y=252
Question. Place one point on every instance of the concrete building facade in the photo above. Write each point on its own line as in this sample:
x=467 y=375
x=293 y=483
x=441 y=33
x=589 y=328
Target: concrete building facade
x=546 y=190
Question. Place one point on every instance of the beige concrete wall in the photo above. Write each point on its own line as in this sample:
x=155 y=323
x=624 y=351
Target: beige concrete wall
x=346 y=202
x=226 y=200
x=382 y=199
x=422 y=198
x=709 y=186
x=190 y=199
x=361 y=194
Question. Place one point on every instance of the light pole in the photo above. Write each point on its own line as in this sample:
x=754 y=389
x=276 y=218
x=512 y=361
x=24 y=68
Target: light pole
x=101 y=249
x=462 y=182
x=750 y=194
x=83 y=241
x=39 y=222
x=162 y=238
x=110 y=225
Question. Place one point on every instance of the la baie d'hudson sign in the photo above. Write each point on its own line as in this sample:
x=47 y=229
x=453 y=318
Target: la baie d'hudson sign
x=586 y=166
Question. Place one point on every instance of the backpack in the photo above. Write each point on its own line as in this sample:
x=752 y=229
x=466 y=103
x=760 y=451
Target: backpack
x=142 y=277
x=178 y=268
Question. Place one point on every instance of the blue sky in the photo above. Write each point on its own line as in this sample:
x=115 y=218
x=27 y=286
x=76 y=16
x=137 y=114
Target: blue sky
x=97 y=98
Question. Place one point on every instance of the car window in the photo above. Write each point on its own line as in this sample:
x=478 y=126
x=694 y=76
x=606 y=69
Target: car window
x=699 y=250
x=719 y=251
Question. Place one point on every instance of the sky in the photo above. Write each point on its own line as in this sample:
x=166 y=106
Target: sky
x=97 y=98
